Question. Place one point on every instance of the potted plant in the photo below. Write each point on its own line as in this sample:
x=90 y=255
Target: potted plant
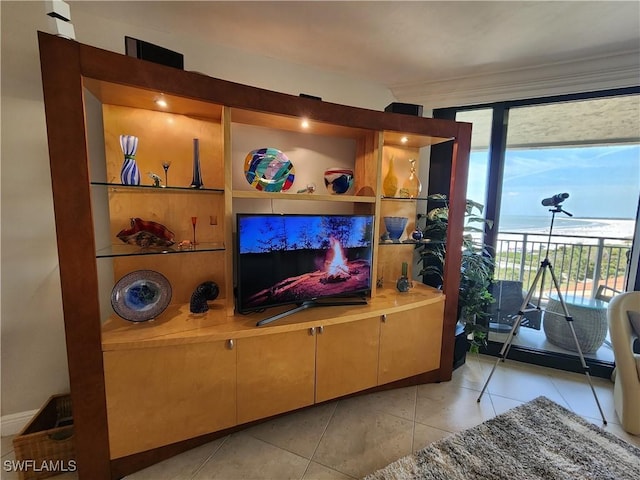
x=432 y=252
x=476 y=272
x=476 y=276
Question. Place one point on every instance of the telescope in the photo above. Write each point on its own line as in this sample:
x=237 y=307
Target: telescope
x=555 y=200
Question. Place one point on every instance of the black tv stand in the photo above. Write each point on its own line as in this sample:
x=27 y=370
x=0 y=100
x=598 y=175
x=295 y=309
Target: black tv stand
x=321 y=302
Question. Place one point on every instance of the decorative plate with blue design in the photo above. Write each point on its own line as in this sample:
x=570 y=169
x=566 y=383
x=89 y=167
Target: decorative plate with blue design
x=269 y=170
x=141 y=295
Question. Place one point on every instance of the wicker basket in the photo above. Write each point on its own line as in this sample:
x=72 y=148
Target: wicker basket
x=46 y=446
x=589 y=323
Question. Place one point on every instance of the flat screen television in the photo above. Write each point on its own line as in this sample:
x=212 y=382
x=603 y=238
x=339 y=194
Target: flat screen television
x=302 y=260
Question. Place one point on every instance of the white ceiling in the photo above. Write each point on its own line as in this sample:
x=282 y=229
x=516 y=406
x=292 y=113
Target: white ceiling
x=418 y=43
x=398 y=42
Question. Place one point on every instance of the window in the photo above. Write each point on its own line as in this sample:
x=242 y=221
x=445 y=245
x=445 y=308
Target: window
x=479 y=157
x=586 y=145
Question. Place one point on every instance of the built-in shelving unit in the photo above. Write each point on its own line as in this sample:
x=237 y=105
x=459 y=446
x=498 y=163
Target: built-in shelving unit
x=182 y=379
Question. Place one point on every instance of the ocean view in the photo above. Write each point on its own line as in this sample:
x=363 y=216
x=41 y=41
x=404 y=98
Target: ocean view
x=586 y=238
x=564 y=225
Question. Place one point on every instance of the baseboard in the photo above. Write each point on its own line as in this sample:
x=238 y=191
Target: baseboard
x=14 y=423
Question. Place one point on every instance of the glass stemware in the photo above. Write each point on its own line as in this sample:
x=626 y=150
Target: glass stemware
x=165 y=166
x=194 y=221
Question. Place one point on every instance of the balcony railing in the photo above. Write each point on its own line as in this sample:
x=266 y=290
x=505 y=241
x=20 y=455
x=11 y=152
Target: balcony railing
x=581 y=264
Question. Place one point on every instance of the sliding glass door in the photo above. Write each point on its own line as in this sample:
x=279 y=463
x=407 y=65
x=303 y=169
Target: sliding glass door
x=585 y=149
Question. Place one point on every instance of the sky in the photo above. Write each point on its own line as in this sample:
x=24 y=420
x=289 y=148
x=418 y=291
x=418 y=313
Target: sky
x=602 y=181
x=261 y=233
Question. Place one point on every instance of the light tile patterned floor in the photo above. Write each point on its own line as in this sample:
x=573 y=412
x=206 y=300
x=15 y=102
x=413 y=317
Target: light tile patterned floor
x=353 y=437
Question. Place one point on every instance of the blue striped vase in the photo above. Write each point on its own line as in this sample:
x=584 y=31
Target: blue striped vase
x=129 y=173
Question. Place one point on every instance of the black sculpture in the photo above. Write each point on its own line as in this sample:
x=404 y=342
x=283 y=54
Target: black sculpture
x=206 y=291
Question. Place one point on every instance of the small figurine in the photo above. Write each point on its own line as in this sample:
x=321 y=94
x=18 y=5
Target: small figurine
x=156 y=179
x=311 y=188
x=380 y=279
x=206 y=291
x=385 y=238
x=185 y=245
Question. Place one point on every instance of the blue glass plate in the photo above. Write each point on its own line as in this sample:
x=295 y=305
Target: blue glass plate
x=141 y=295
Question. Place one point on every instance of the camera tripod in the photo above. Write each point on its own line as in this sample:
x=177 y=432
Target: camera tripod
x=540 y=276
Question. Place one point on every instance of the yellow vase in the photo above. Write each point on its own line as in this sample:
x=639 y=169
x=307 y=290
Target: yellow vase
x=390 y=182
x=411 y=187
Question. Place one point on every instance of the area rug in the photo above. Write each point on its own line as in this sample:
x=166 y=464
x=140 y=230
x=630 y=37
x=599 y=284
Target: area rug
x=537 y=440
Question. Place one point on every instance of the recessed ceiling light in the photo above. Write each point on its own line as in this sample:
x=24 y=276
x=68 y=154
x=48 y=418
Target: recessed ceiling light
x=404 y=139
x=305 y=123
x=161 y=102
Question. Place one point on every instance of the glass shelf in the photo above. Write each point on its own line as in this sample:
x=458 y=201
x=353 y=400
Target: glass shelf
x=411 y=242
x=383 y=197
x=432 y=242
x=126 y=250
x=403 y=242
x=303 y=196
x=148 y=188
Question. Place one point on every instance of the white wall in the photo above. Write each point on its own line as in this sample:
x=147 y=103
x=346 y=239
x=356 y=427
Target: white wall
x=33 y=345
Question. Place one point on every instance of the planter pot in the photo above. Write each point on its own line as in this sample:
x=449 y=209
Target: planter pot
x=460 y=348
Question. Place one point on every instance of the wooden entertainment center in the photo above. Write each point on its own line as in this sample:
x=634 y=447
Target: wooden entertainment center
x=145 y=391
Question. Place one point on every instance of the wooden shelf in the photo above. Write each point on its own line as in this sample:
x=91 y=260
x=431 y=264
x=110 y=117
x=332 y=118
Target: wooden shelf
x=118 y=187
x=294 y=124
x=414 y=140
x=126 y=96
x=177 y=325
x=314 y=197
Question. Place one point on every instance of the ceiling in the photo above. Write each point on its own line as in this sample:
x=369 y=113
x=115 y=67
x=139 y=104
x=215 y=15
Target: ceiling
x=397 y=42
x=602 y=121
x=421 y=42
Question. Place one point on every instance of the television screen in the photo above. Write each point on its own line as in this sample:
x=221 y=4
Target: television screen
x=293 y=259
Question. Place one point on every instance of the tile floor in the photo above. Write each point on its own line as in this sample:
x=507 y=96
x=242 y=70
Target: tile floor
x=350 y=438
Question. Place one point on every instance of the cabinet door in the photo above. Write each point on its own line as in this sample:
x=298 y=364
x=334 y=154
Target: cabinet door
x=275 y=374
x=161 y=395
x=410 y=342
x=347 y=358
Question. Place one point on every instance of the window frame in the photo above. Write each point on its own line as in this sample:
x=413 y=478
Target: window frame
x=439 y=175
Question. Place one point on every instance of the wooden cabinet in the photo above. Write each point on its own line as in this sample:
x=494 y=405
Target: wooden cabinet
x=146 y=386
x=346 y=358
x=275 y=374
x=146 y=391
x=410 y=342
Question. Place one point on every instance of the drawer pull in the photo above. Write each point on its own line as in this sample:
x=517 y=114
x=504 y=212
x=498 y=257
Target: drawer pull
x=312 y=331
x=320 y=329
x=230 y=344
x=384 y=317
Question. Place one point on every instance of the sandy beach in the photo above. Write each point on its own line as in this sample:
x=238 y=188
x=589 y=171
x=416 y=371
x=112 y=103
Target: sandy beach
x=620 y=229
